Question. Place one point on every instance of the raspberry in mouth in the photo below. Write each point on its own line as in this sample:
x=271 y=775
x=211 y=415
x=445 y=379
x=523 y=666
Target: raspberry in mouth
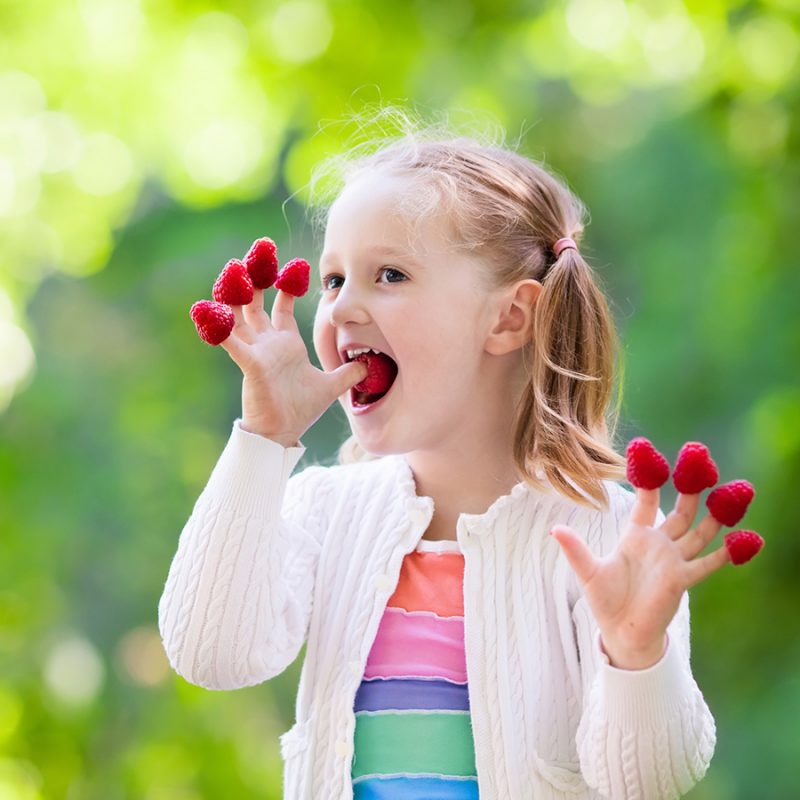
x=381 y=374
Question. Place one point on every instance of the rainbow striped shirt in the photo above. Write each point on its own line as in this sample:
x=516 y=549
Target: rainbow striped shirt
x=413 y=735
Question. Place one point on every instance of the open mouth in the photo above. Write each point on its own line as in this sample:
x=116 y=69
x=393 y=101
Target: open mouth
x=364 y=399
x=382 y=371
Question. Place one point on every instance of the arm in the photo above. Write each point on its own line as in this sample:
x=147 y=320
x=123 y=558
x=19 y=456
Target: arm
x=644 y=733
x=237 y=600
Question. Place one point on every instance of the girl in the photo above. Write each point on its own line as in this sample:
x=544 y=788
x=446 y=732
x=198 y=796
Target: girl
x=452 y=651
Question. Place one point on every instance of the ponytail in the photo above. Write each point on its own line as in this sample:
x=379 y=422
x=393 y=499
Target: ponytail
x=561 y=425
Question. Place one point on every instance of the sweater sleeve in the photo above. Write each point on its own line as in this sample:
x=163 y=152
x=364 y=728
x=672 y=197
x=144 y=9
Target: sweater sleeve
x=236 y=603
x=645 y=734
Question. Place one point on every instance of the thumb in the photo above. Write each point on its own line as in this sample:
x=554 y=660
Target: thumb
x=578 y=554
x=348 y=375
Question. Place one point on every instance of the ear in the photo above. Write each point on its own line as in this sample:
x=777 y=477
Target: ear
x=514 y=317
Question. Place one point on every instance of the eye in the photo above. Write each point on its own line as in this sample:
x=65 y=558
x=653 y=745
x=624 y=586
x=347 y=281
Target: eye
x=326 y=286
x=387 y=270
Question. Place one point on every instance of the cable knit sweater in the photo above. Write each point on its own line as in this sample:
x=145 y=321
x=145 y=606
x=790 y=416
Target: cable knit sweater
x=269 y=560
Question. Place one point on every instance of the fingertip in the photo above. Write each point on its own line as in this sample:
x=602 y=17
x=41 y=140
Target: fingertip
x=232 y=346
x=284 y=301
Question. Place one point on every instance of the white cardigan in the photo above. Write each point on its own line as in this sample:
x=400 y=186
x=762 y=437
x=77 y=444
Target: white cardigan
x=268 y=560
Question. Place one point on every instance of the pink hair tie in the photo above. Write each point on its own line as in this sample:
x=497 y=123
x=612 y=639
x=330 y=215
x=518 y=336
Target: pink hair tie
x=562 y=244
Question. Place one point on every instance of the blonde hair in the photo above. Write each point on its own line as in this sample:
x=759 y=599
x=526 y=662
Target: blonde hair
x=510 y=210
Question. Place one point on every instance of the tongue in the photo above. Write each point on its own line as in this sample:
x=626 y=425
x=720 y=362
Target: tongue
x=382 y=371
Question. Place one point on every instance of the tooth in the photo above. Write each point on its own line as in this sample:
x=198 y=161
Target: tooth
x=352 y=353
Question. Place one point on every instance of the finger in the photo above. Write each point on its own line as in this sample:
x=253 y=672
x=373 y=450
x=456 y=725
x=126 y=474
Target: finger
x=578 y=554
x=236 y=349
x=646 y=507
x=701 y=568
x=240 y=326
x=254 y=314
x=343 y=378
x=680 y=519
x=696 y=540
x=283 y=311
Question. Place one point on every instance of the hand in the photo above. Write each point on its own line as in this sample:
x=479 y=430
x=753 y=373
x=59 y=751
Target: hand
x=283 y=393
x=634 y=592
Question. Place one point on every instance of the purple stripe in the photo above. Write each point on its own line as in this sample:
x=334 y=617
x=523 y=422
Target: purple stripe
x=382 y=694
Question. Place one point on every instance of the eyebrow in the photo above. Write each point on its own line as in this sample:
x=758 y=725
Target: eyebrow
x=387 y=250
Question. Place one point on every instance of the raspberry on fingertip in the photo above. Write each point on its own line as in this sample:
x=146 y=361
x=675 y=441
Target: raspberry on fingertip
x=742 y=545
x=262 y=262
x=728 y=502
x=233 y=286
x=695 y=470
x=646 y=468
x=214 y=321
x=294 y=277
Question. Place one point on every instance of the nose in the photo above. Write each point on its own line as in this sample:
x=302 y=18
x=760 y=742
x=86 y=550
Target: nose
x=348 y=306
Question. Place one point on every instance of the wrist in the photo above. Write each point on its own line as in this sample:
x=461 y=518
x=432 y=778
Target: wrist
x=284 y=439
x=637 y=658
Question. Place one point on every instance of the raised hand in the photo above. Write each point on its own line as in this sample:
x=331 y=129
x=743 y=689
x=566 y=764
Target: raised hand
x=634 y=591
x=283 y=393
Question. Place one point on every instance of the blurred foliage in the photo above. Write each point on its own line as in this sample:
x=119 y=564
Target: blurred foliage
x=144 y=144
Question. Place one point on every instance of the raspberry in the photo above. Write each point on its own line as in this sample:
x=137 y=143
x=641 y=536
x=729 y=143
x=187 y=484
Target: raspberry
x=647 y=468
x=742 y=545
x=233 y=286
x=727 y=503
x=214 y=321
x=293 y=278
x=381 y=371
x=262 y=263
x=695 y=470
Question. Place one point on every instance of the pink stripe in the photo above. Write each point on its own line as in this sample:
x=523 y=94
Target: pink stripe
x=417 y=645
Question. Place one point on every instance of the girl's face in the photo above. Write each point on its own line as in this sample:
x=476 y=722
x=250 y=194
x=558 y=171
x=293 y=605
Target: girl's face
x=419 y=302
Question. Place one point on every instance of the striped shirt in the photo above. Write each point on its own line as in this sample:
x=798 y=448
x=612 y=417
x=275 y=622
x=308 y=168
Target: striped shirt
x=413 y=736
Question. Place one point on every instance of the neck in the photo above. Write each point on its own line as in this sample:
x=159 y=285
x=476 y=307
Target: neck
x=471 y=470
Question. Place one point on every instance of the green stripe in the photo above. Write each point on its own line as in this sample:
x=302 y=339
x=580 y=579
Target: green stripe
x=388 y=742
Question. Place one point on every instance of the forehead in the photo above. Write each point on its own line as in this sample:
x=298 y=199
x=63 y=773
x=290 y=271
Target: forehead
x=381 y=215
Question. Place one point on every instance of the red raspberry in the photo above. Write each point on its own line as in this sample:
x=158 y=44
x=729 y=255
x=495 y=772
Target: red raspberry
x=214 y=321
x=695 y=470
x=262 y=262
x=293 y=278
x=233 y=286
x=381 y=372
x=647 y=468
x=742 y=545
x=727 y=503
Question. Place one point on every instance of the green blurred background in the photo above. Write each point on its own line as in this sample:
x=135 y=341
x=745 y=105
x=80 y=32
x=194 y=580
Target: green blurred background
x=144 y=144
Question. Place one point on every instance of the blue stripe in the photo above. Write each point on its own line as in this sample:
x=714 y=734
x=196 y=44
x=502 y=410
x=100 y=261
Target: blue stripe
x=421 y=788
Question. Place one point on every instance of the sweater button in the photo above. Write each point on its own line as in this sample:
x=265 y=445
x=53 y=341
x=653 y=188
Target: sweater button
x=342 y=748
x=382 y=583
